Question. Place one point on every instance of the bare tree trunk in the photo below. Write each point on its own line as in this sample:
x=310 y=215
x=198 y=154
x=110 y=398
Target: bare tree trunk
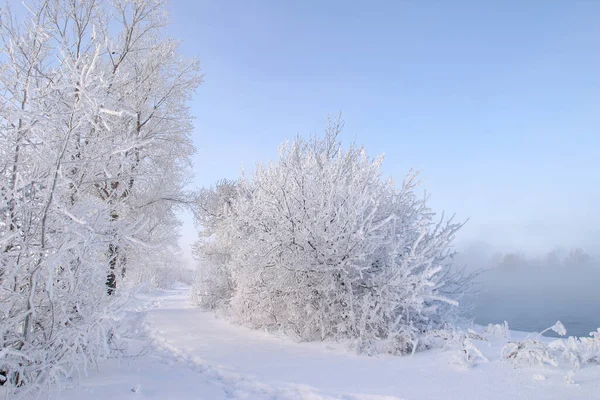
x=116 y=260
x=111 y=280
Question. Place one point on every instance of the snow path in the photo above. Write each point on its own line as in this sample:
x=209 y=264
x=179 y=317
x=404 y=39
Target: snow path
x=196 y=355
x=242 y=357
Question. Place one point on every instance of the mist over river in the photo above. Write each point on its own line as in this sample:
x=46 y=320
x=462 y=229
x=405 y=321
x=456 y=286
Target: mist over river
x=532 y=293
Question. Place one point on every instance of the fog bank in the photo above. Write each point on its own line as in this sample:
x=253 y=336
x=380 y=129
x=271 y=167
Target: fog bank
x=532 y=292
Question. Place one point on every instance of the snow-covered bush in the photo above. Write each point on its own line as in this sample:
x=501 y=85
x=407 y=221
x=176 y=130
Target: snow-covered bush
x=572 y=352
x=212 y=286
x=579 y=351
x=497 y=331
x=591 y=347
x=467 y=354
x=470 y=355
x=94 y=140
x=317 y=244
x=529 y=352
x=533 y=351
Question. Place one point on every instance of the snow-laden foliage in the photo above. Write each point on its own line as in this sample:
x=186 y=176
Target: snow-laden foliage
x=94 y=141
x=470 y=355
x=573 y=352
x=317 y=244
x=467 y=354
x=532 y=350
x=497 y=330
x=578 y=351
x=213 y=286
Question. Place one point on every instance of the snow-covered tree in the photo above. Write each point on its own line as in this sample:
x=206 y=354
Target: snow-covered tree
x=212 y=287
x=94 y=141
x=319 y=245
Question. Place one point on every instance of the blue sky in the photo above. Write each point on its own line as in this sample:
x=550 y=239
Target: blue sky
x=497 y=103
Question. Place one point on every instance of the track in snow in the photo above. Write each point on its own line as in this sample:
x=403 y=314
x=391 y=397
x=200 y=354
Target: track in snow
x=196 y=355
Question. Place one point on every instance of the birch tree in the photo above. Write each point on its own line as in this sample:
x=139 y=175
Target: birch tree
x=94 y=139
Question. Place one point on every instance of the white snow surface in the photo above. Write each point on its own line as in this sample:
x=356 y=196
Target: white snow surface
x=191 y=354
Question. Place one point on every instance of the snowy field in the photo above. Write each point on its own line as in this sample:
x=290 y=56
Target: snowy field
x=190 y=354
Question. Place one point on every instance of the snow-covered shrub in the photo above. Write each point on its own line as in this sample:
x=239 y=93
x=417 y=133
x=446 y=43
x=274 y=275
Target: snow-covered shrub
x=579 y=351
x=529 y=352
x=591 y=347
x=402 y=343
x=317 y=244
x=212 y=286
x=471 y=334
x=467 y=354
x=574 y=352
x=470 y=355
x=497 y=330
x=532 y=351
x=570 y=351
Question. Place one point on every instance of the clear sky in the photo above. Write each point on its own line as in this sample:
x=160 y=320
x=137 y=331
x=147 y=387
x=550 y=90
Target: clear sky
x=498 y=103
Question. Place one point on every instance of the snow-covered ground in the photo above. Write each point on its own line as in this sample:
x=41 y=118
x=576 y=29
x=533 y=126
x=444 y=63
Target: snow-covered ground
x=190 y=354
